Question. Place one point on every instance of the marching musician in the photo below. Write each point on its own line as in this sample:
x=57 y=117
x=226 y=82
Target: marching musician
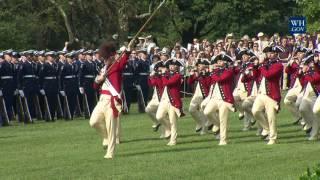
x=222 y=100
x=310 y=81
x=170 y=103
x=201 y=77
x=295 y=87
x=267 y=102
x=155 y=81
x=244 y=86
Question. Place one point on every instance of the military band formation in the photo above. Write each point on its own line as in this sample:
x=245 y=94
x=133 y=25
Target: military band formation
x=246 y=76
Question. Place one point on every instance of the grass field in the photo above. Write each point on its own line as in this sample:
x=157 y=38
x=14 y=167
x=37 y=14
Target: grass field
x=72 y=150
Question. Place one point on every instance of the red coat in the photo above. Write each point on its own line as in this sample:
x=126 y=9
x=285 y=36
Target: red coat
x=293 y=71
x=156 y=81
x=224 y=78
x=312 y=77
x=204 y=82
x=272 y=72
x=173 y=84
x=249 y=79
x=115 y=73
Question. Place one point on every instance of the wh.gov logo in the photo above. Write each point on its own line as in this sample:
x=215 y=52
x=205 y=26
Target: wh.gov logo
x=297 y=25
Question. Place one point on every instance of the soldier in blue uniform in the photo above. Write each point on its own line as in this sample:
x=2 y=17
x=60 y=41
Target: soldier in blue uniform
x=7 y=84
x=49 y=82
x=142 y=71
x=87 y=74
x=27 y=82
x=128 y=74
x=69 y=82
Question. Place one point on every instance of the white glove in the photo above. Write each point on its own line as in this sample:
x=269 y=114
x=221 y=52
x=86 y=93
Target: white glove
x=123 y=48
x=152 y=73
x=42 y=92
x=247 y=72
x=16 y=92
x=62 y=93
x=21 y=93
x=1 y=94
x=81 y=90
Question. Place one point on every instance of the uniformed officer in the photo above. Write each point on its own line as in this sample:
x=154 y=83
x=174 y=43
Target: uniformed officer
x=129 y=77
x=87 y=73
x=142 y=71
x=267 y=102
x=170 y=103
x=69 y=82
x=7 y=84
x=28 y=84
x=49 y=82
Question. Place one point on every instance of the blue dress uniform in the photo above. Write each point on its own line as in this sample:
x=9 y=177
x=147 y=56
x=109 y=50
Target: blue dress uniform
x=69 y=83
x=7 y=84
x=49 y=83
x=28 y=83
x=142 y=71
x=87 y=74
x=16 y=66
x=128 y=74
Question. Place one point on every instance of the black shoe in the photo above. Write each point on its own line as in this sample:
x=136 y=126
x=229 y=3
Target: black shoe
x=253 y=123
x=155 y=129
x=308 y=131
x=297 y=121
x=216 y=132
x=198 y=130
x=263 y=137
x=210 y=127
x=168 y=137
x=241 y=117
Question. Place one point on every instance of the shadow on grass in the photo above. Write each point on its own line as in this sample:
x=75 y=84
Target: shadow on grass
x=141 y=139
x=169 y=150
x=6 y=137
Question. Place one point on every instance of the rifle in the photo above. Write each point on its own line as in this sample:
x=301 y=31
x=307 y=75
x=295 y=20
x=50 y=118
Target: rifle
x=86 y=106
x=38 y=109
x=78 y=107
x=66 y=107
x=4 y=110
x=59 y=109
x=125 y=105
x=48 y=113
x=20 y=108
x=26 y=108
x=143 y=106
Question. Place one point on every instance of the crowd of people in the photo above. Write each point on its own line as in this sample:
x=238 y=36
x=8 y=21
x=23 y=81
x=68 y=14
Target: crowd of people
x=227 y=75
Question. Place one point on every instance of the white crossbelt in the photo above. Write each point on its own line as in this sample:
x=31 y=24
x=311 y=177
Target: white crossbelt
x=52 y=77
x=111 y=89
x=29 y=76
x=69 y=77
x=6 y=77
x=144 y=74
x=89 y=76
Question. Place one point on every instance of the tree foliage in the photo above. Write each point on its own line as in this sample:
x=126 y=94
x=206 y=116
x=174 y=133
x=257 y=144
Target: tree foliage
x=35 y=24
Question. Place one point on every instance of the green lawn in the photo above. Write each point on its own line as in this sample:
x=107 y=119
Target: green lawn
x=72 y=150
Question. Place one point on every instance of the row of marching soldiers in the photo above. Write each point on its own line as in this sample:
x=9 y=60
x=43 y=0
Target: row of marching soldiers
x=251 y=85
x=47 y=85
